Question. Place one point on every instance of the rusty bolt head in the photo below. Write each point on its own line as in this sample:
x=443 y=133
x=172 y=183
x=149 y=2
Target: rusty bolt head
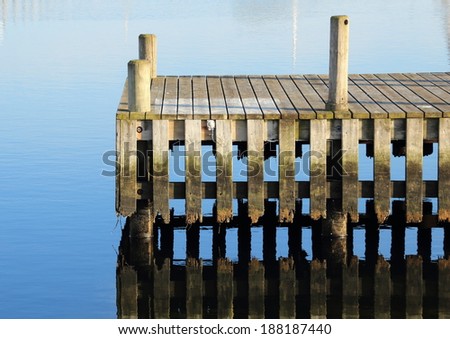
x=139 y=129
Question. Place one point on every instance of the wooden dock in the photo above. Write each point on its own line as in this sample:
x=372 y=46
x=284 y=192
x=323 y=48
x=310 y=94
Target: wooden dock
x=403 y=114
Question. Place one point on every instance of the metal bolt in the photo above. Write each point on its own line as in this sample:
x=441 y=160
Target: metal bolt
x=139 y=129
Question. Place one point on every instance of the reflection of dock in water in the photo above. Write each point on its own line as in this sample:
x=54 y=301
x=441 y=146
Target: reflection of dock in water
x=151 y=283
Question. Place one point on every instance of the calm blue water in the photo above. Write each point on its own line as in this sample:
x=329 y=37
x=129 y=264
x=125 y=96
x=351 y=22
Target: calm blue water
x=62 y=68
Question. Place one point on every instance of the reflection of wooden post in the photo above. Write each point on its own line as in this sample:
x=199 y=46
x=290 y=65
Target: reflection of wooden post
x=194 y=288
x=224 y=289
x=287 y=289
x=444 y=288
x=350 y=289
x=414 y=287
x=161 y=291
x=318 y=289
x=338 y=82
x=255 y=290
x=127 y=293
x=382 y=290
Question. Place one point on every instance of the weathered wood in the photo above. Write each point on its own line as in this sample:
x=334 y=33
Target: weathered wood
x=148 y=51
x=193 y=171
x=284 y=105
x=414 y=287
x=264 y=97
x=139 y=85
x=318 y=169
x=350 y=168
x=444 y=169
x=201 y=101
x=255 y=169
x=161 y=290
x=232 y=98
x=249 y=101
x=297 y=98
x=338 y=72
x=127 y=160
x=444 y=288
x=287 y=170
x=127 y=293
x=160 y=171
x=359 y=89
x=382 y=289
x=216 y=98
x=287 y=288
x=224 y=171
x=185 y=98
x=350 y=289
x=224 y=289
x=170 y=107
x=318 y=289
x=414 y=157
x=256 y=287
x=382 y=168
x=194 y=288
x=157 y=89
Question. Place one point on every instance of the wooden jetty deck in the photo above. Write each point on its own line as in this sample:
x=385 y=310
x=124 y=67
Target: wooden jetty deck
x=402 y=114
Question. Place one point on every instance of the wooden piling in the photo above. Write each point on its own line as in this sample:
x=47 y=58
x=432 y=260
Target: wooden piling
x=338 y=73
x=193 y=171
x=194 y=288
x=350 y=194
x=224 y=289
x=287 y=288
x=127 y=293
x=286 y=157
x=256 y=287
x=414 y=159
x=382 y=168
x=414 y=287
x=335 y=225
x=224 y=171
x=148 y=51
x=139 y=85
x=255 y=169
x=318 y=169
x=318 y=289
x=444 y=169
x=382 y=290
x=141 y=223
x=161 y=290
x=160 y=170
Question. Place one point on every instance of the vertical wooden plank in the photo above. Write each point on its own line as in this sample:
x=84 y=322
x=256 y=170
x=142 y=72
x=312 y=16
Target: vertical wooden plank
x=200 y=98
x=382 y=289
x=350 y=289
x=350 y=133
x=161 y=290
x=160 y=173
x=382 y=168
x=224 y=289
x=287 y=288
x=318 y=289
x=318 y=168
x=127 y=293
x=255 y=169
x=127 y=159
x=216 y=98
x=224 y=171
x=194 y=288
x=286 y=170
x=444 y=169
x=444 y=288
x=414 y=287
x=414 y=155
x=193 y=171
x=255 y=290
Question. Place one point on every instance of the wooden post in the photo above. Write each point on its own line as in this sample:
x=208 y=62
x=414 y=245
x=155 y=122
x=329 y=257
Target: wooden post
x=287 y=170
x=194 y=288
x=127 y=292
x=350 y=139
x=147 y=51
x=444 y=169
x=224 y=169
x=139 y=85
x=287 y=288
x=224 y=289
x=141 y=224
x=350 y=289
x=160 y=170
x=382 y=168
x=193 y=149
x=255 y=169
x=338 y=77
x=318 y=169
x=335 y=225
x=414 y=159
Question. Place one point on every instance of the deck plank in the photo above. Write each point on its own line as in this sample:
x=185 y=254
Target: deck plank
x=201 y=102
x=264 y=97
x=232 y=98
x=216 y=98
x=287 y=110
x=249 y=101
x=300 y=103
x=170 y=106
x=185 y=98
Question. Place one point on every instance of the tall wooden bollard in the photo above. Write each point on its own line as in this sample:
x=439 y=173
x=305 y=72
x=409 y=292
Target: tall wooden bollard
x=338 y=73
x=139 y=85
x=148 y=51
